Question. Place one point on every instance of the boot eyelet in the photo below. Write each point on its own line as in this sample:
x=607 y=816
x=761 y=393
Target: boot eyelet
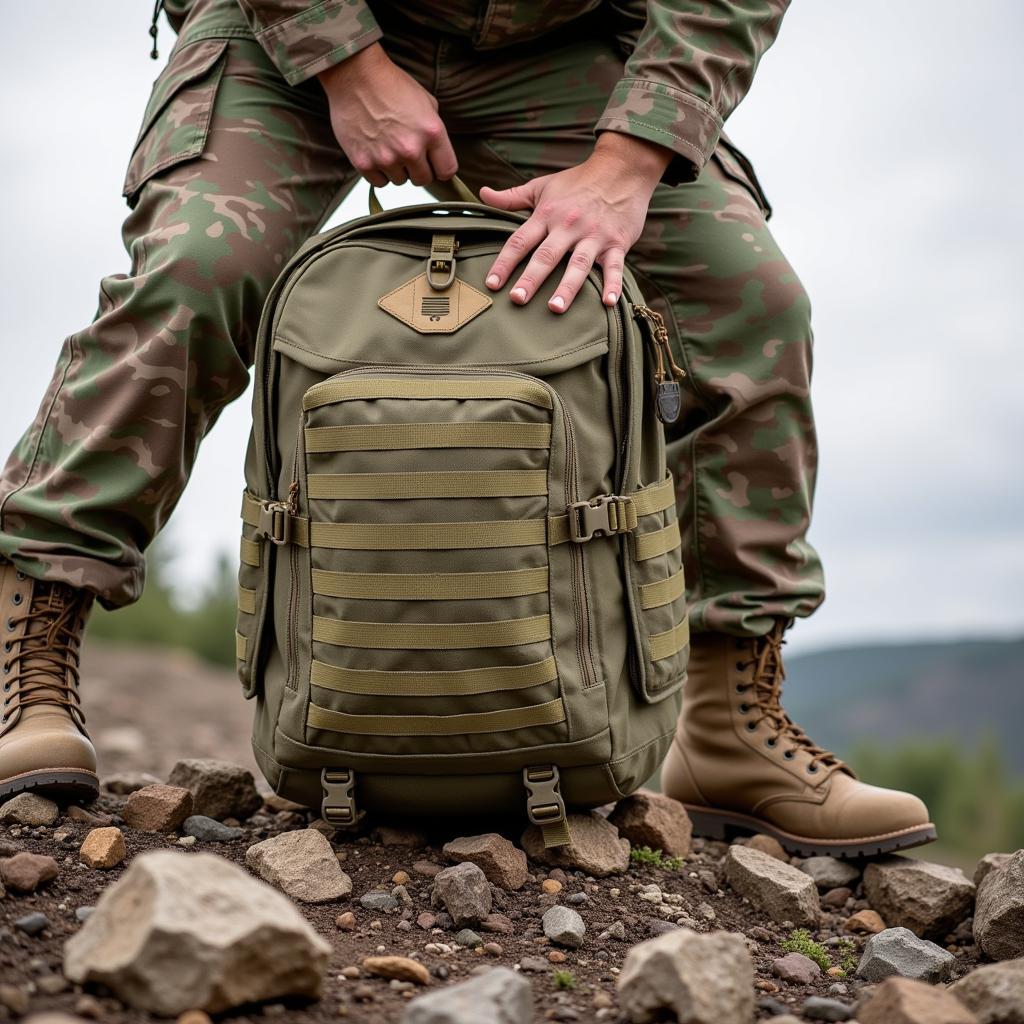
x=740 y=666
x=741 y=687
x=744 y=708
x=20 y=576
x=7 y=647
x=789 y=755
x=771 y=742
x=16 y=599
x=751 y=726
x=812 y=769
x=10 y=625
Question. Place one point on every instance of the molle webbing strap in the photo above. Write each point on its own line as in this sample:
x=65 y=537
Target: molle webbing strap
x=655 y=595
x=250 y=553
x=672 y=641
x=431 y=636
x=648 y=545
x=379 y=437
x=430 y=586
x=460 y=683
x=410 y=387
x=241 y=644
x=550 y=713
x=246 y=600
x=428 y=536
x=494 y=483
x=644 y=502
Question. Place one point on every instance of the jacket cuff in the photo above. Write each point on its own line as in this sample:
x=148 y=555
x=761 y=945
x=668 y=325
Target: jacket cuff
x=676 y=120
x=318 y=38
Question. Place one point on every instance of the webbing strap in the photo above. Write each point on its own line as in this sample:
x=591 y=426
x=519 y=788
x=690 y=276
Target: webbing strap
x=460 y=683
x=655 y=595
x=672 y=641
x=241 y=644
x=507 y=483
x=648 y=545
x=644 y=502
x=246 y=600
x=431 y=636
x=430 y=586
x=533 y=393
x=378 y=437
x=428 y=536
x=550 y=713
x=249 y=553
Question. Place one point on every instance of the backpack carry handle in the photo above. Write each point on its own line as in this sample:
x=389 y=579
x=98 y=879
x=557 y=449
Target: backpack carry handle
x=455 y=189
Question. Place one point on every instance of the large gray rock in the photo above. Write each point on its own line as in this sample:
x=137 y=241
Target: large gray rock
x=830 y=872
x=502 y=862
x=220 y=789
x=302 y=865
x=563 y=926
x=29 y=809
x=498 y=997
x=595 y=847
x=999 y=914
x=929 y=899
x=700 y=979
x=464 y=892
x=783 y=892
x=988 y=864
x=193 y=931
x=654 y=820
x=995 y=994
x=899 y=952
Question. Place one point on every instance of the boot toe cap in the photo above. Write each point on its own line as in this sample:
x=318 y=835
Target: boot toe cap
x=866 y=810
x=44 y=749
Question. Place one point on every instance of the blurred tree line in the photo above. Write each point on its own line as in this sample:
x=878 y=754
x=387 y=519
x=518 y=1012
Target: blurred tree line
x=976 y=801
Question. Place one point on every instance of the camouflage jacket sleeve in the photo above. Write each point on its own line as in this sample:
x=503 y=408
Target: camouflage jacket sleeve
x=304 y=38
x=688 y=65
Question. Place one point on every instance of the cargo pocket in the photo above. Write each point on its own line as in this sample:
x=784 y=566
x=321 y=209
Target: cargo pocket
x=658 y=595
x=177 y=119
x=737 y=167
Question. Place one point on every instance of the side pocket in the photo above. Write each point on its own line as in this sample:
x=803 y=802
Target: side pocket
x=177 y=118
x=252 y=576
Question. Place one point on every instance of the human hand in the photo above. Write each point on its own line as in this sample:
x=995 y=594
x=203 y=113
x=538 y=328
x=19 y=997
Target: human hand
x=595 y=210
x=386 y=122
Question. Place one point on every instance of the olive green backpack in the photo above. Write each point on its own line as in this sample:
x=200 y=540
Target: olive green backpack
x=461 y=588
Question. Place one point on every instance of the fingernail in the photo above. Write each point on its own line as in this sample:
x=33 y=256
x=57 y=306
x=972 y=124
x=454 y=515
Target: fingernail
x=519 y=294
x=613 y=298
x=492 y=281
x=558 y=302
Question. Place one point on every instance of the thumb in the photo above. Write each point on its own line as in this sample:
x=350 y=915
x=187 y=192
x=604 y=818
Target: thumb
x=518 y=197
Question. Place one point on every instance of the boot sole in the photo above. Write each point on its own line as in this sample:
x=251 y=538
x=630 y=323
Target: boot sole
x=70 y=783
x=726 y=825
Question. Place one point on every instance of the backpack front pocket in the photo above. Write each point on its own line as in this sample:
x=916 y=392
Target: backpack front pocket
x=428 y=498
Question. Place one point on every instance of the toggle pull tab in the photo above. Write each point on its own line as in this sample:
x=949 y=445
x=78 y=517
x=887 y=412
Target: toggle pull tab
x=154 y=30
x=441 y=262
x=667 y=392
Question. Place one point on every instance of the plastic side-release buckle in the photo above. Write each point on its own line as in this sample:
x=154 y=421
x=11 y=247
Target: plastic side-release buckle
x=338 y=806
x=604 y=515
x=544 y=805
x=275 y=522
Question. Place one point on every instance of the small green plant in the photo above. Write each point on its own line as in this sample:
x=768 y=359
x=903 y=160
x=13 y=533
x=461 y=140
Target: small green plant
x=800 y=941
x=565 y=979
x=644 y=856
x=847 y=957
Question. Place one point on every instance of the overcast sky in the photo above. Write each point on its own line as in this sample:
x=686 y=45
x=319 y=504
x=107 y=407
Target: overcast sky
x=887 y=137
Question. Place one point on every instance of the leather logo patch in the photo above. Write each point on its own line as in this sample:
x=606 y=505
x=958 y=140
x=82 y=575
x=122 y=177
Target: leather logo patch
x=431 y=312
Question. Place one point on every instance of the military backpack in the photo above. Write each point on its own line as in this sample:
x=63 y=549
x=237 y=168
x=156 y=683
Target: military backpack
x=461 y=587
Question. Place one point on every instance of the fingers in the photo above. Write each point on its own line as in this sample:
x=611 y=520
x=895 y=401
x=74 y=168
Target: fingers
x=526 y=237
x=612 y=260
x=442 y=157
x=580 y=263
x=519 y=197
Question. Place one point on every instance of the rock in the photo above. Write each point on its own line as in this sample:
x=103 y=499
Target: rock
x=380 y=902
x=864 y=922
x=551 y=886
x=902 y=1001
x=32 y=924
x=783 y=892
x=836 y=898
x=701 y=979
x=500 y=996
x=534 y=965
x=193 y=931
x=898 y=951
x=302 y=865
x=426 y=868
x=989 y=863
x=830 y=872
x=82 y=914
x=401 y=968
x=209 y=830
x=126 y=783
x=157 y=808
x=220 y=789
x=796 y=968
x=464 y=892
x=999 y=914
x=25 y=872
x=929 y=899
x=616 y=930
x=564 y=927
x=29 y=809
x=595 y=847
x=87 y=817
x=654 y=820
x=468 y=938
x=768 y=844
x=498 y=923
x=14 y=999
x=995 y=993
x=820 y=1008
x=346 y=922
x=103 y=848
x=503 y=863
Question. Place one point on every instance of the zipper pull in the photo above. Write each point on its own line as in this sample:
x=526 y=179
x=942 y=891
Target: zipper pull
x=668 y=394
x=154 y=28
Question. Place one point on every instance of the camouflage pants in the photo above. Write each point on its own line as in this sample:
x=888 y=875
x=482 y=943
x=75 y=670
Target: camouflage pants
x=234 y=169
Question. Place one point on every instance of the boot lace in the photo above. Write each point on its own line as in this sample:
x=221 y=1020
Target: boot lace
x=765 y=702
x=42 y=665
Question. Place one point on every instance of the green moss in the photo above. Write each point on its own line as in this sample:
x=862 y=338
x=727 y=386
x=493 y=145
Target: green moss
x=847 y=958
x=644 y=856
x=565 y=979
x=800 y=941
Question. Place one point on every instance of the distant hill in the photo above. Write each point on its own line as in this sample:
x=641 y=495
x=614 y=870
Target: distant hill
x=964 y=690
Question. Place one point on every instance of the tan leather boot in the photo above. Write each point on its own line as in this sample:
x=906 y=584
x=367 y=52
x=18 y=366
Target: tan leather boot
x=43 y=742
x=739 y=765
